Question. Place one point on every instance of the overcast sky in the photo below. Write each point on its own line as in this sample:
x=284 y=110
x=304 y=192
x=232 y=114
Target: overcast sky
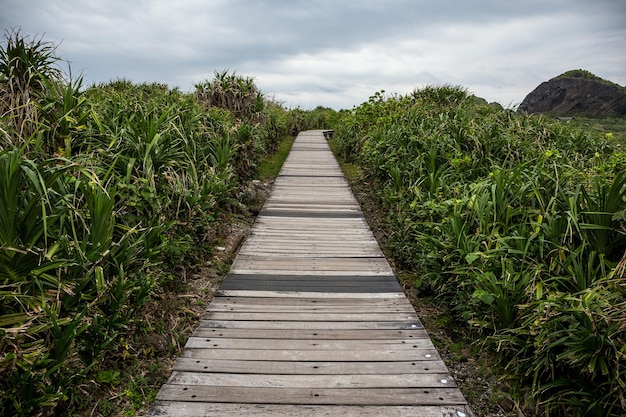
x=334 y=53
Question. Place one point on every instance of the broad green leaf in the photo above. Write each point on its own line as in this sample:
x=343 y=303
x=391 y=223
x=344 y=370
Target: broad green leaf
x=471 y=257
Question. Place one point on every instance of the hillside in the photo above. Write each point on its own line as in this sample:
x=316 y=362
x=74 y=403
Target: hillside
x=576 y=92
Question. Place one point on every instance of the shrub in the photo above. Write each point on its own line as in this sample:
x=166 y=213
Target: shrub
x=517 y=222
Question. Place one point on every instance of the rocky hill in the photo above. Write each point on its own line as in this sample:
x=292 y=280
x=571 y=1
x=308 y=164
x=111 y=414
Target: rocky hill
x=576 y=92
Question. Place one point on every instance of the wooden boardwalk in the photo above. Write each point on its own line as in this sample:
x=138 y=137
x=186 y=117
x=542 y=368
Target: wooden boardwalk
x=310 y=320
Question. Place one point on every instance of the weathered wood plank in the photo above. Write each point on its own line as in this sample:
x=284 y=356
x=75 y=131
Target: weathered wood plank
x=197 y=342
x=284 y=224
x=196 y=409
x=290 y=265
x=320 y=334
x=309 y=307
x=330 y=396
x=393 y=301
x=265 y=285
x=311 y=244
x=315 y=246
x=327 y=228
x=299 y=294
x=301 y=234
x=309 y=367
x=312 y=253
x=321 y=325
x=326 y=279
x=313 y=381
x=313 y=298
x=304 y=285
x=251 y=354
x=300 y=317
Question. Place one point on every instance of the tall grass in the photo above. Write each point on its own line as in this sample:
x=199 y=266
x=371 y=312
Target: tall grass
x=516 y=221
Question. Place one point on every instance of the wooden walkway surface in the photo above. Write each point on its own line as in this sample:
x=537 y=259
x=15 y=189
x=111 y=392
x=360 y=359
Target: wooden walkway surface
x=310 y=320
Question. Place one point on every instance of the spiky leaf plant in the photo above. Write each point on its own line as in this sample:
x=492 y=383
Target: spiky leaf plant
x=516 y=221
x=26 y=68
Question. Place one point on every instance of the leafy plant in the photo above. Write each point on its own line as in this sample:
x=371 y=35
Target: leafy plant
x=516 y=221
x=104 y=193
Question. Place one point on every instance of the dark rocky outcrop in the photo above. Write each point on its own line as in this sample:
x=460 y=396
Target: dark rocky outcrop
x=576 y=92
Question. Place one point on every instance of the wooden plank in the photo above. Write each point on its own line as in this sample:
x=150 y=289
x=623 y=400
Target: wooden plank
x=197 y=409
x=309 y=214
x=309 y=307
x=309 y=285
x=323 y=231
x=313 y=355
x=300 y=317
x=303 y=235
x=338 y=192
x=411 y=380
x=308 y=294
x=309 y=367
x=290 y=226
x=322 y=182
x=376 y=282
x=330 y=396
x=289 y=265
x=303 y=334
x=196 y=342
x=393 y=301
x=299 y=233
x=263 y=222
x=298 y=210
x=323 y=279
x=314 y=244
x=269 y=241
x=310 y=325
x=278 y=268
x=315 y=252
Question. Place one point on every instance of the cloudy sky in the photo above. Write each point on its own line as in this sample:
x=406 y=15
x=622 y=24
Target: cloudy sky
x=334 y=53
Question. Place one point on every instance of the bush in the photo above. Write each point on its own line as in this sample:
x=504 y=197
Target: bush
x=101 y=191
x=516 y=221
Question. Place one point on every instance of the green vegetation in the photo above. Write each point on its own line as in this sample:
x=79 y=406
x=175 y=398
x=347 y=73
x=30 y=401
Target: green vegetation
x=104 y=193
x=612 y=128
x=517 y=222
x=271 y=166
x=580 y=73
x=584 y=74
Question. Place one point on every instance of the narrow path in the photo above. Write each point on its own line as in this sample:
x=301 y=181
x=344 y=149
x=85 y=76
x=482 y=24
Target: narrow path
x=310 y=320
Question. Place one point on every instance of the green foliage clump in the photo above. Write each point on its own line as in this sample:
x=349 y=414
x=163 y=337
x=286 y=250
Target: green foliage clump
x=235 y=93
x=102 y=191
x=579 y=73
x=586 y=75
x=518 y=222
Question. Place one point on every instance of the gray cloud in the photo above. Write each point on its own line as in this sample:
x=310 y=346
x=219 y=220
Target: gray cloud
x=334 y=52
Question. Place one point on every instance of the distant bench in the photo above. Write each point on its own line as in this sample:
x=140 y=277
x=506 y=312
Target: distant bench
x=328 y=134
